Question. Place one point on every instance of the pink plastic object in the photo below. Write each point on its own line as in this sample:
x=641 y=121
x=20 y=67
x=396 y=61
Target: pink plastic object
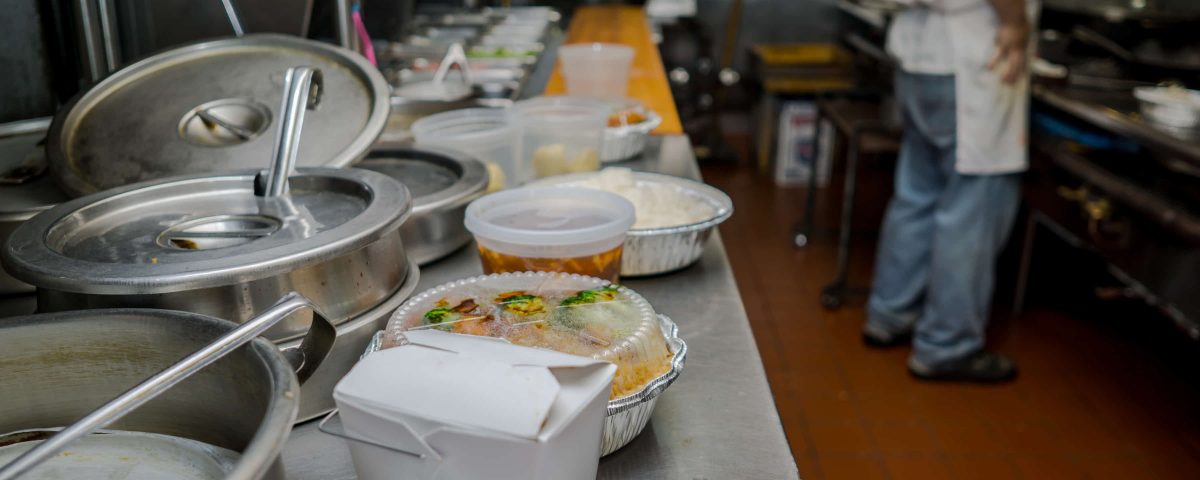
x=363 y=36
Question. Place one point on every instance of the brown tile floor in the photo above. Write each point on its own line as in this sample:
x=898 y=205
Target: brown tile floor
x=1098 y=397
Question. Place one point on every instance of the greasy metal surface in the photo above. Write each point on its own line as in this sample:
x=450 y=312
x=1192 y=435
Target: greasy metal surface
x=442 y=183
x=30 y=191
x=316 y=395
x=717 y=421
x=58 y=367
x=335 y=239
x=127 y=128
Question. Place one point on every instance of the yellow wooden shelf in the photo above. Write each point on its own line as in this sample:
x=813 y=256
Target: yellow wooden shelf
x=626 y=25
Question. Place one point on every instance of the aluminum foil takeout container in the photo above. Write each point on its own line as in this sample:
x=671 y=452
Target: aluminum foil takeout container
x=652 y=251
x=627 y=141
x=627 y=416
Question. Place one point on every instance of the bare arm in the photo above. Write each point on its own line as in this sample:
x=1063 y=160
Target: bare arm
x=1011 y=40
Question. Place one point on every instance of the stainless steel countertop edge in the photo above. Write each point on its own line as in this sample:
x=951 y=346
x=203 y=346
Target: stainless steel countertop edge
x=717 y=421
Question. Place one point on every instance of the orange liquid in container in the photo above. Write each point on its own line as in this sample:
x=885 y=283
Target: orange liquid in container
x=606 y=265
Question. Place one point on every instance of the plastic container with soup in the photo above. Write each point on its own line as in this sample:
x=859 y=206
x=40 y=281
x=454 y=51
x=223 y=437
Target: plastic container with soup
x=551 y=229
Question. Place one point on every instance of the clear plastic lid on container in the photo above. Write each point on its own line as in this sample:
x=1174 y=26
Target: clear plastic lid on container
x=550 y=221
x=568 y=313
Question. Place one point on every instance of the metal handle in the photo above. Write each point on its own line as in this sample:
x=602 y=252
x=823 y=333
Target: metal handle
x=301 y=92
x=454 y=56
x=234 y=20
x=164 y=380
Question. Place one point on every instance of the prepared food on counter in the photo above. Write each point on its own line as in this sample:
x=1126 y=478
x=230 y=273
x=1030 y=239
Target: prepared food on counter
x=606 y=322
x=553 y=159
x=657 y=205
x=626 y=117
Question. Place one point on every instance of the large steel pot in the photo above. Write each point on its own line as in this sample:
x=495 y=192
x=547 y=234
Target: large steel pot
x=353 y=336
x=209 y=107
x=25 y=188
x=57 y=367
x=208 y=244
x=442 y=183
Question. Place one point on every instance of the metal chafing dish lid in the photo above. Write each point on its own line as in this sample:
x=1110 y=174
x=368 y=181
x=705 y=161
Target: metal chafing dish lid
x=203 y=231
x=438 y=178
x=25 y=188
x=210 y=107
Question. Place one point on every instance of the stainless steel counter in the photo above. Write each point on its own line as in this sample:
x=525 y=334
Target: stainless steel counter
x=718 y=421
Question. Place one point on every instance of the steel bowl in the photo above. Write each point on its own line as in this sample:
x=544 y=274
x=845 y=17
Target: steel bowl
x=59 y=366
x=653 y=251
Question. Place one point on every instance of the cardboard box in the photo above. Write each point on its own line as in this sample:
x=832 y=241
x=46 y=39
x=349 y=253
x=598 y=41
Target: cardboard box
x=469 y=407
x=800 y=153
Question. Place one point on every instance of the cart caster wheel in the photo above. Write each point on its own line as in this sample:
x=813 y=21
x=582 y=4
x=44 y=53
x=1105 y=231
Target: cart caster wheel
x=831 y=297
x=800 y=240
x=830 y=301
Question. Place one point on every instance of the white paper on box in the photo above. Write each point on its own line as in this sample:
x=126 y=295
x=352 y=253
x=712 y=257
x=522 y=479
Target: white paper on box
x=475 y=406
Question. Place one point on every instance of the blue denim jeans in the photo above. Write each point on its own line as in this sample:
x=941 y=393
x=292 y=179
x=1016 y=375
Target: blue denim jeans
x=941 y=233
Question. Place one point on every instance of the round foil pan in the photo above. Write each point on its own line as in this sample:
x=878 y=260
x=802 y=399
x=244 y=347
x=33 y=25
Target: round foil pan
x=627 y=416
x=627 y=141
x=653 y=251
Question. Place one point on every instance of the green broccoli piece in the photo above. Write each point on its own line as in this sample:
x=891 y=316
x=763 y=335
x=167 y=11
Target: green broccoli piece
x=566 y=316
x=441 y=315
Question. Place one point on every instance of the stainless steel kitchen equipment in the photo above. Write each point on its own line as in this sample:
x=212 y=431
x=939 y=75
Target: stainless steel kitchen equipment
x=305 y=360
x=204 y=108
x=59 y=366
x=442 y=183
x=229 y=244
x=25 y=188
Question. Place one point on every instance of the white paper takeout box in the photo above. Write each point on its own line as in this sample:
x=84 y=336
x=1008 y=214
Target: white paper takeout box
x=474 y=408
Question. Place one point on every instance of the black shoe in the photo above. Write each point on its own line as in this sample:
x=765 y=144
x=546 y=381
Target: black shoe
x=879 y=338
x=981 y=367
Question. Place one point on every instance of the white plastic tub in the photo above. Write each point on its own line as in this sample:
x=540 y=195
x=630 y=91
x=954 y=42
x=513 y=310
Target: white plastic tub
x=484 y=133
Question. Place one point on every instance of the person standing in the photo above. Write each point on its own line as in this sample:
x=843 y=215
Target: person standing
x=963 y=90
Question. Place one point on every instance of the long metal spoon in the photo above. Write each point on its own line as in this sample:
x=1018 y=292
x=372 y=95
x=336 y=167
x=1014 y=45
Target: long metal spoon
x=164 y=380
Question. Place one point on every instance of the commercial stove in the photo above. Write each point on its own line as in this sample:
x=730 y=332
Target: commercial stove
x=1102 y=177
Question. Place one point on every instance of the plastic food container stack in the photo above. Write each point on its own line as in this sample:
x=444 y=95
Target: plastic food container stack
x=551 y=230
x=484 y=133
x=596 y=69
x=560 y=134
x=461 y=406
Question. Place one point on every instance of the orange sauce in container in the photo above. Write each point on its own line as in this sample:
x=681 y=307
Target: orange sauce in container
x=606 y=265
x=551 y=229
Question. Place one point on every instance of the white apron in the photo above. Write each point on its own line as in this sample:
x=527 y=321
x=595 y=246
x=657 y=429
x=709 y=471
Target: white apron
x=992 y=117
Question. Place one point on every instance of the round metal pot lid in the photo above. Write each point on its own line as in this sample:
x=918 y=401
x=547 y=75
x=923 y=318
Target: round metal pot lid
x=438 y=179
x=211 y=107
x=25 y=186
x=203 y=231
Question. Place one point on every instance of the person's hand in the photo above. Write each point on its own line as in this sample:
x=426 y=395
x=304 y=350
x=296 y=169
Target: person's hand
x=1011 y=55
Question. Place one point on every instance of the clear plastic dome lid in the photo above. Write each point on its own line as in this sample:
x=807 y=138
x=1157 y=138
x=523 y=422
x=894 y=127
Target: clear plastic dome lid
x=568 y=313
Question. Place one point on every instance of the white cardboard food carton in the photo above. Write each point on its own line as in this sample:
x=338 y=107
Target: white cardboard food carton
x=470 y=407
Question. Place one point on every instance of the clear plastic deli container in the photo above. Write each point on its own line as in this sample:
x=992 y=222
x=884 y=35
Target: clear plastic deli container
x=561 y=134
x=596 y=69
x=484 y=133
x=551 y=229
x=573 y=314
